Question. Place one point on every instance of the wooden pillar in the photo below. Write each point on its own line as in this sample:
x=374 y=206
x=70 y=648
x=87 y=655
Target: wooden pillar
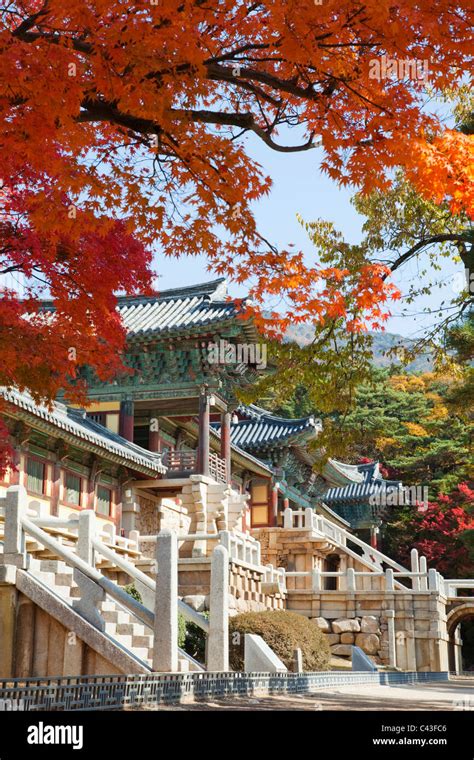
x=274 y=507
x=154 y=433
x=91 y=485
x=203 y=447
x=225 y=443
x=55 y=487
x=15 y=471
x=126 y=419
x=374 y=532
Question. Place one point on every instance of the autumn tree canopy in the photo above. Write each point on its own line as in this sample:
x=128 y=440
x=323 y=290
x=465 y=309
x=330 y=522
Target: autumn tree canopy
x=124 y=128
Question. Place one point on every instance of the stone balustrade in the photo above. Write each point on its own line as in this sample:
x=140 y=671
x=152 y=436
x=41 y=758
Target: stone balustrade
x=93 y=586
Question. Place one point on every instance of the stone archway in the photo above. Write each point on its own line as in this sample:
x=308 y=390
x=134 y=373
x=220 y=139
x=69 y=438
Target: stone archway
x=456 y=616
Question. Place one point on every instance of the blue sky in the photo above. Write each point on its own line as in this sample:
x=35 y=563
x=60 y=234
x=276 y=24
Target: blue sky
x=299 y=187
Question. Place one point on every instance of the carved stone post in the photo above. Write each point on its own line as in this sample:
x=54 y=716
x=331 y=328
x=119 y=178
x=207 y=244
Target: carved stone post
x=218 y=643
x=165 y=644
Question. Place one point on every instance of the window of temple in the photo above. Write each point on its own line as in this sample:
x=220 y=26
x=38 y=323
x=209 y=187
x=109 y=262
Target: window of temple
x=103 y=501
x=72 y=489
x=35 y=476
x=259 y=503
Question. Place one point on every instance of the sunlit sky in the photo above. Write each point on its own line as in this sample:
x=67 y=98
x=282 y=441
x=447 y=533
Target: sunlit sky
x=299 y=187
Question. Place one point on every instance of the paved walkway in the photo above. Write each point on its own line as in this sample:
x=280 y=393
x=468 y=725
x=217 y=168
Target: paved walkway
x=457 y=694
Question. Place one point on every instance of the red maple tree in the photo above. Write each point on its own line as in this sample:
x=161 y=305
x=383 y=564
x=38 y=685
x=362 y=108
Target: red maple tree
x=123 y=131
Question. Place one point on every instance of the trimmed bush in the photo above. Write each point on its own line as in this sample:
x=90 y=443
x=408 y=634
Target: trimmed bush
x=283 y=632
x=181 y=631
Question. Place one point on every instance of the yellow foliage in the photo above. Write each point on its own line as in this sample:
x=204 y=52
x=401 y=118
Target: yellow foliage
x=407 y=383
x=415 y=429
x=384 y=443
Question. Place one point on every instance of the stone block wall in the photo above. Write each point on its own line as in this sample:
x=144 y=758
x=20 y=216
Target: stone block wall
x=411 y=626
x=369 y=632
x=245 y=587
x=32 y=643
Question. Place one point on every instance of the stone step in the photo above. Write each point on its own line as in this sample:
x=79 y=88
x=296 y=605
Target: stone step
x=131 y=629
x=64 y=579
x=144 y=642
x=115 y=616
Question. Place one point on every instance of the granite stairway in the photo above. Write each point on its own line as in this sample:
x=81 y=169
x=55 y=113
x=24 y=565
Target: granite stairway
x=120 y=625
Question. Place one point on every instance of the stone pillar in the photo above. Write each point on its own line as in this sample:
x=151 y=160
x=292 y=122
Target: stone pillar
x=415 y=568
x=218 y=641
x=154 y=433
x=225 y=443
x=203 y=443
x=126 y=419
x=392 y=647
x=165 y=644
x=14 y=539
x=130 y=511
x=85 y=534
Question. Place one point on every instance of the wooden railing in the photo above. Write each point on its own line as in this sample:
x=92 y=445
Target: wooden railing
x=180 y=462
x=184 y=463
x=217 y=468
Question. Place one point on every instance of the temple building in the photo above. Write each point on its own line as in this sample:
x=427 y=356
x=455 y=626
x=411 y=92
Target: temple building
x=168 y=453
x=176 y=415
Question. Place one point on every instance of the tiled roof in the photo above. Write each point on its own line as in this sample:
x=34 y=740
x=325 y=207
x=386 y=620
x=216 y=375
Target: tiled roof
x=174 y=309
x=75 y=422
x=342 y=474
x=357 y=492
x=260 y=429
x=171 y=310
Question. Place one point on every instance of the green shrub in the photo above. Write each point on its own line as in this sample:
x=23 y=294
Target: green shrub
x=181 y=631
x=283 y=632
x=195 y=643
x=130 y=589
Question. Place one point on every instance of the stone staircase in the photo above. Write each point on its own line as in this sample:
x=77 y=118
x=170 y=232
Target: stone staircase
x=121 y=626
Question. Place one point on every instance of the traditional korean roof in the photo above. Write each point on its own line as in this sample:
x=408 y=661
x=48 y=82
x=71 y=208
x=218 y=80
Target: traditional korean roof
x=173 y=310
x=366 y=481
x=257 y=429
x=85 y=431
x=356 y=492
x=342 y=474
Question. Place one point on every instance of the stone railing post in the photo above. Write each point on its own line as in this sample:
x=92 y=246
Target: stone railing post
x=225 y=541
x=165 y=643
x=424 y=576
x=14 y=539
x=316 y=580
x=308 y=518
x=85 y=536
x=415 y=568
x=389 y=580
x=288 y=518
x=351 y=579
x=392 y=646
x=218 y=640
x=433 y=579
